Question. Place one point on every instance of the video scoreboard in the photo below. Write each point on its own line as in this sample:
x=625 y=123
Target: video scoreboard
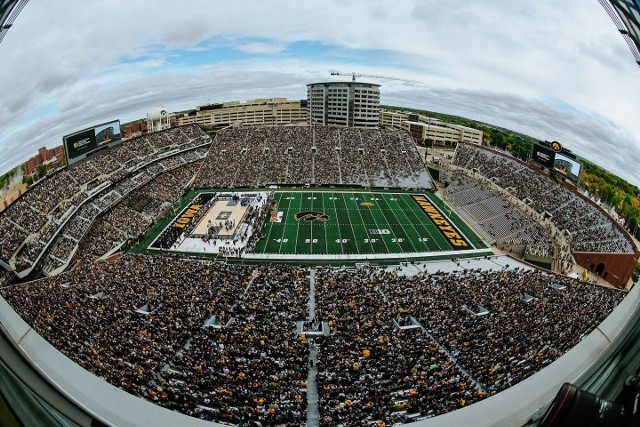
x=560 y=161
x=84 y=143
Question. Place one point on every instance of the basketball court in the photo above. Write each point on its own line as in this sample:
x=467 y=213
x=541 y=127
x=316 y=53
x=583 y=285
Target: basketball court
x=225 y=210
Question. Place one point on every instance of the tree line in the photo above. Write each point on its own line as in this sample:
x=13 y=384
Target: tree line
x=5 y=180
x=609 y=188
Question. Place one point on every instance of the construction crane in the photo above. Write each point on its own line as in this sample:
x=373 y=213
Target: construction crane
x=355 y=75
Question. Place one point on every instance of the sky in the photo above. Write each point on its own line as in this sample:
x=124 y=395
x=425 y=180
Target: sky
x=552 y=70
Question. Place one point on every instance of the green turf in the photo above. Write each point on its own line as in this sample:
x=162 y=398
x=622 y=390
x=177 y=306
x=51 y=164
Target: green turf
x=358 y=223
x=350 y=229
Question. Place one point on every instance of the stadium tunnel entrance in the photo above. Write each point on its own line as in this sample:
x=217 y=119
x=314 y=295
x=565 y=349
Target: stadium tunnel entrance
x=600 y=269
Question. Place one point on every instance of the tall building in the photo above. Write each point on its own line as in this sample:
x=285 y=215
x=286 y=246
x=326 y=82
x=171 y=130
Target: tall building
x=352 y=104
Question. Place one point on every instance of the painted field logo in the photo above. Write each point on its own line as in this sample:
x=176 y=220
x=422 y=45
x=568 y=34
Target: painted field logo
x=311 y=216
x=366 y=204
x=445 y=227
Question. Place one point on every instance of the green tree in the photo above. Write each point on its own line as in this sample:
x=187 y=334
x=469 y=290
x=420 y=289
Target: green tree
x=42 y=171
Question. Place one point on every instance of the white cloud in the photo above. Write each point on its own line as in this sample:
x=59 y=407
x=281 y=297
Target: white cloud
x=554 y=70
x=604 y=144
x=260 y=47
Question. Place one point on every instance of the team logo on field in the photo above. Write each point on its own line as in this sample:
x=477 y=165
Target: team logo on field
x=367 y=204
x=311 y=216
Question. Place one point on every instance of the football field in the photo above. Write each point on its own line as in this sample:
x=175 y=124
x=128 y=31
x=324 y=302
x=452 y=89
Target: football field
x=361 y=223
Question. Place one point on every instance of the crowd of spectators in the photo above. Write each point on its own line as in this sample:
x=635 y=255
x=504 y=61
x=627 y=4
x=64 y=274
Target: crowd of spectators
x=255 y=220
x=100 y=240
x=51 y=197
x=107 y=198
x=302 y=155
x=124 y=222
x=135 y=214
x=194 y=133
x=416 y=163
x=12 y=237
x=217 y=341
x=30 y=252
x=618 y=245
x=76 y=228
x=164 y=190
x=168 y=238
x=88 y=211
x=326 y=140
x=246 y=235
x=589 y=228
x=222 y=341
x=494 y=216
x=540 y=250
x=5 y=276
x=60 y=251
x=61 y=211
x=47 y=232
x=370 y=371
x=403 y=348
x=26 y=215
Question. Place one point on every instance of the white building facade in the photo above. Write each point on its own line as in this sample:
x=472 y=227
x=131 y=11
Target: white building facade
x=423 y=128
x=158 y=120
x=352 y=104
x=254 y=112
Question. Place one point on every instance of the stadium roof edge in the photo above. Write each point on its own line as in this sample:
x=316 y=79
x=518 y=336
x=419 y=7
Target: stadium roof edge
x=625 y=14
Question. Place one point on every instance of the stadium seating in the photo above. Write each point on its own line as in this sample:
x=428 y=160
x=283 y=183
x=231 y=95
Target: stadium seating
x=237 y=343
x=493 y=216
x=232 y=343
x=132 y=217
x=5 y=276
x=30 y=223
x=589 y=228
x=301 y=155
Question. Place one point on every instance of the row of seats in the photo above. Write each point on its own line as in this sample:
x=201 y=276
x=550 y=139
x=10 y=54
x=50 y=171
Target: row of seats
x=584 y=221
x=233 y=343
x=66 y=243
x=45 y=204
x=493 y=216
x=313 y=156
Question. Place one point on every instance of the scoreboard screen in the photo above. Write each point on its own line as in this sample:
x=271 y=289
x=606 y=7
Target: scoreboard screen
x=82 y=144
x=568 y=167
x=544 y=156
x=560 y=161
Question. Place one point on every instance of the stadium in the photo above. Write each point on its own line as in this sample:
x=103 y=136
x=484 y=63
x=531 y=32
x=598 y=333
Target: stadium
x=308 y=274
x=244 y=252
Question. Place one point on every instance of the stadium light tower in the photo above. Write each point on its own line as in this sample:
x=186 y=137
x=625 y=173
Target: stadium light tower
x=355 y=76
x=9 y=11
